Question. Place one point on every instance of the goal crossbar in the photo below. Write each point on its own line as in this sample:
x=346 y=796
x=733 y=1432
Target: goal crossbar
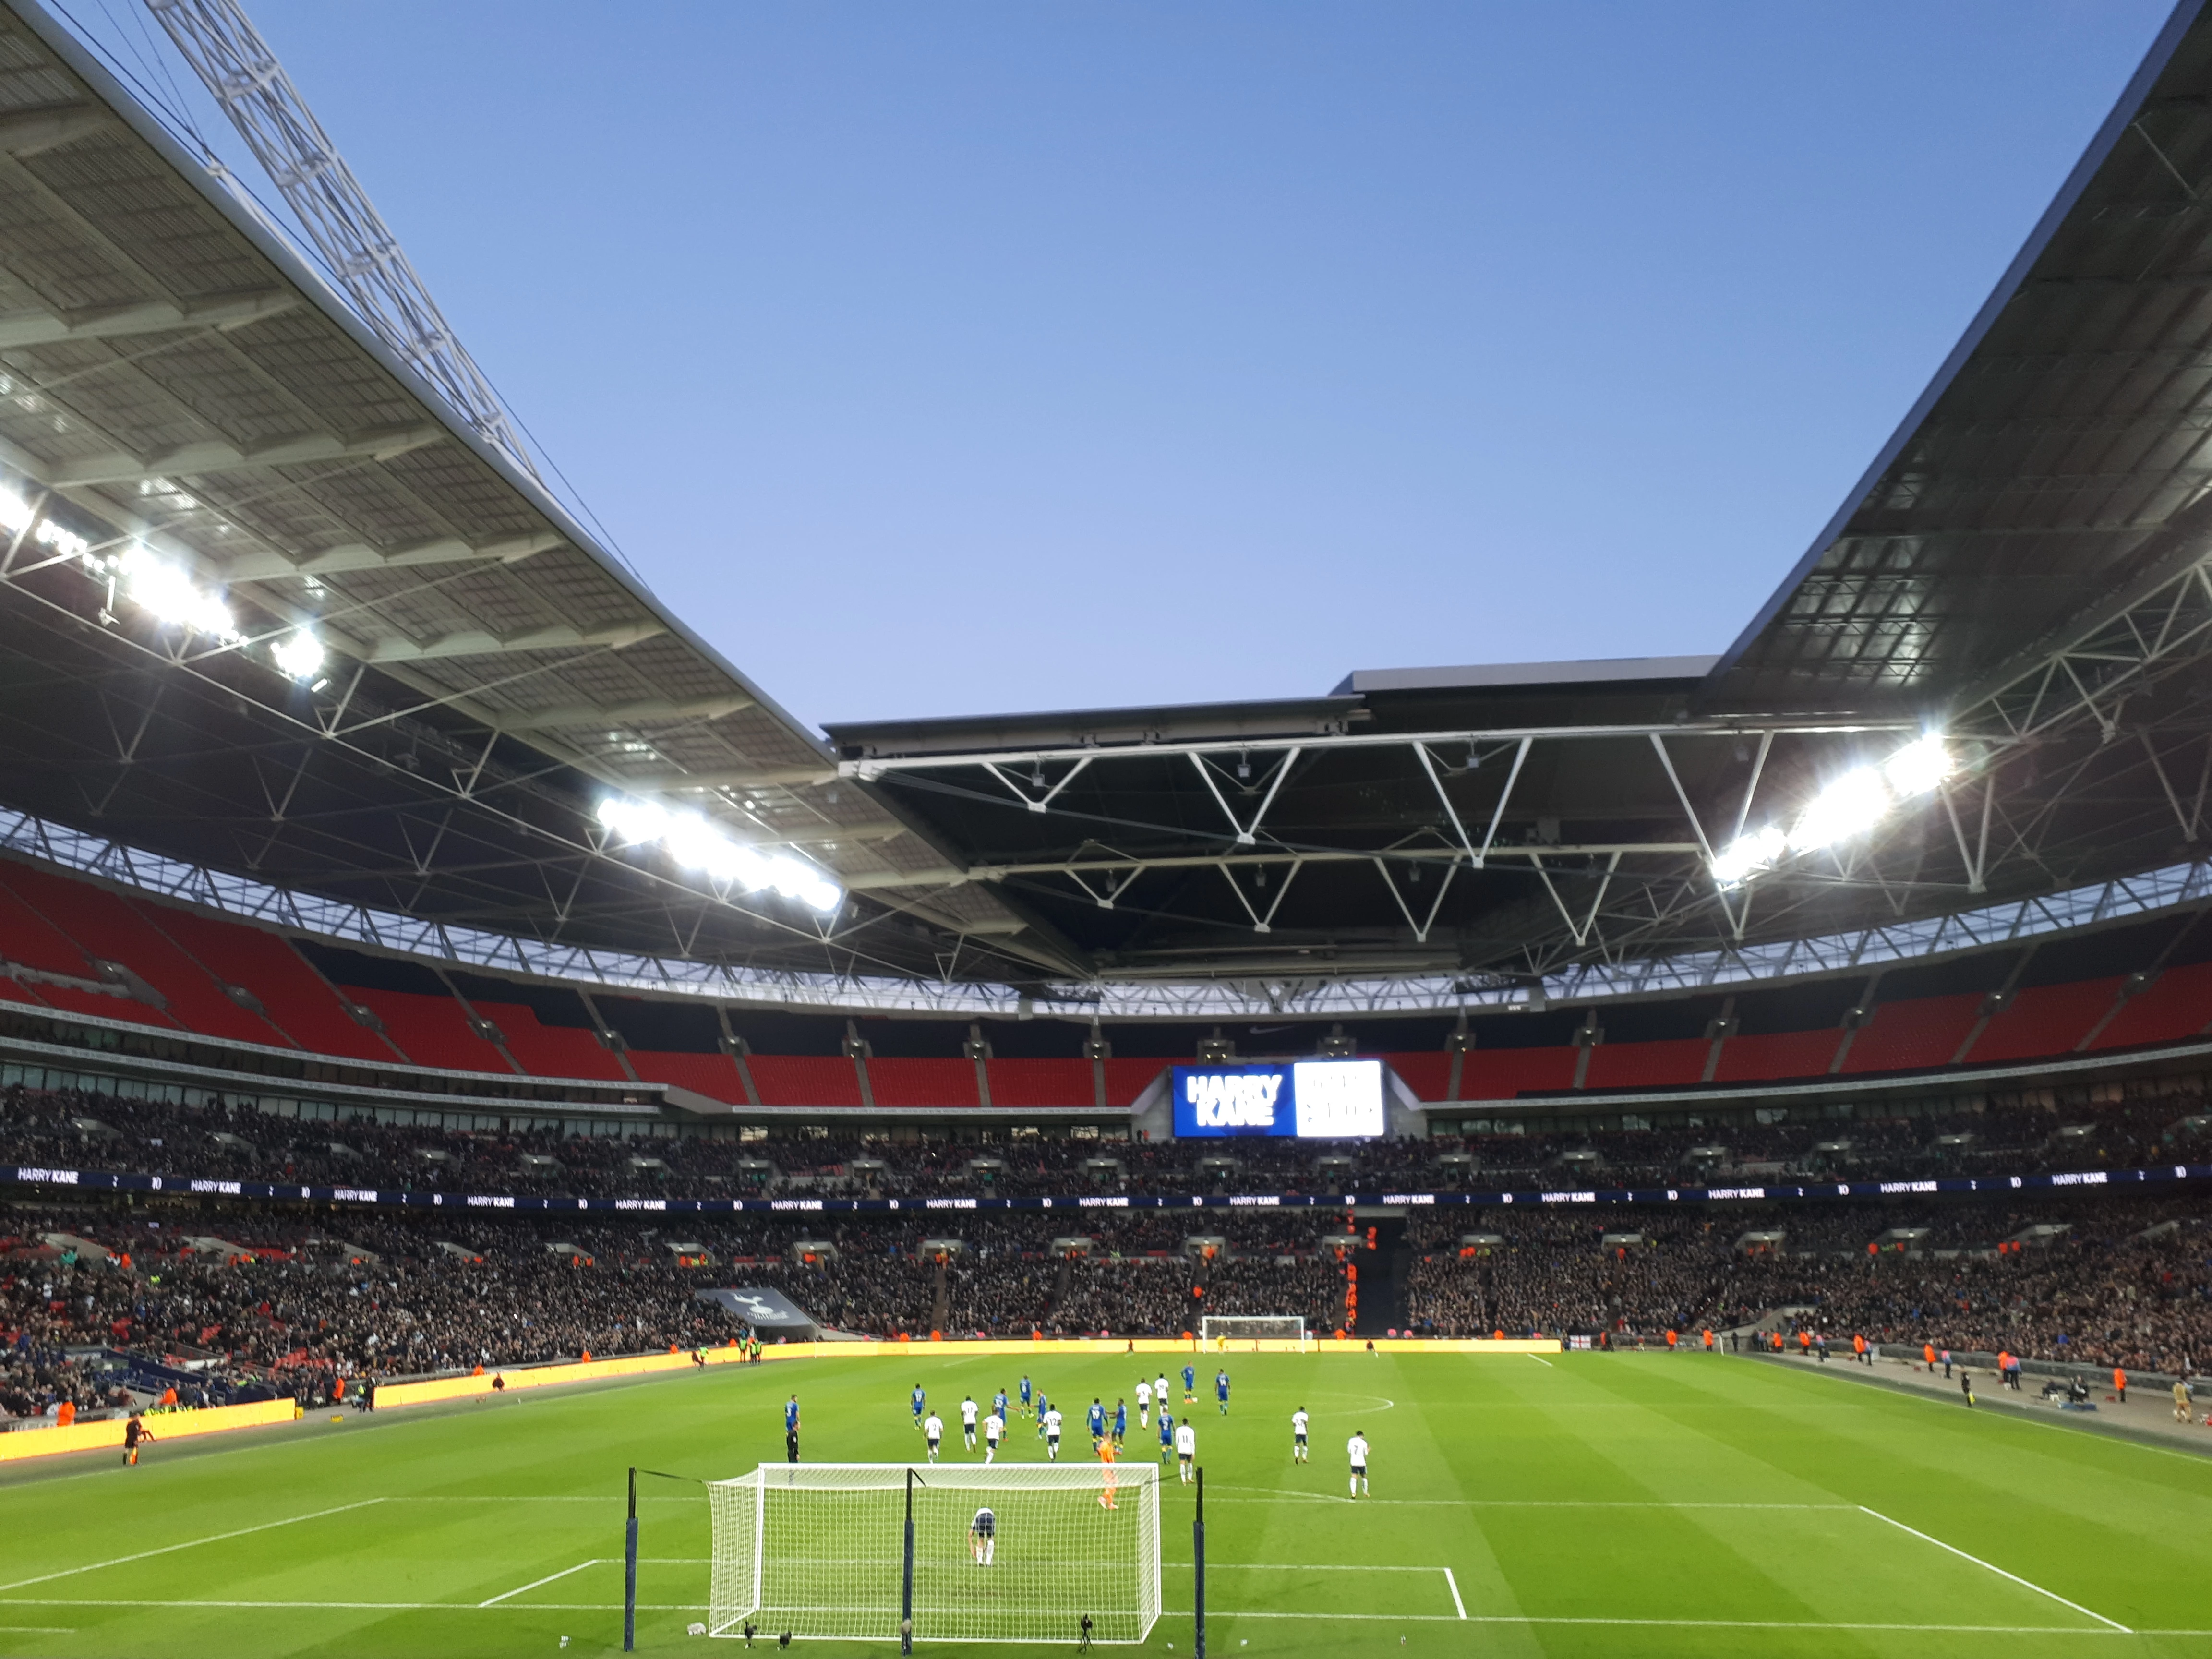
x=817 y=1549
x=1260 y=1327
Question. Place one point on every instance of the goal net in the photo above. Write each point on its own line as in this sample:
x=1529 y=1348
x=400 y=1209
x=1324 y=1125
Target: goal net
x=1237 y=1326
x=818 y=1549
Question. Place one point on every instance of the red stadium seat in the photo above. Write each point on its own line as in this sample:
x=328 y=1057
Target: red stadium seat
x=296 y=998
x=1041 y=1083
x=714 y=1076
x=1903 y=1037
x=2178 y=1005
x=902 y=1082
x=2045 y=1019
x=108 y=928
x=551 y=1050
x=804 y=1080
x=1782 y=1054
x=431 y=1030
x=1427 y=1073
x=28 y=938
x=1502 y=1074
x=1128 y=1079
x=1671 y=1062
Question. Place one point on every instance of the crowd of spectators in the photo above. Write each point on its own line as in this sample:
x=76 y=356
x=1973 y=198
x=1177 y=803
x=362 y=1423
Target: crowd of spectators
x=296 y=1298
x=2097 y=1280
x=75 y=1129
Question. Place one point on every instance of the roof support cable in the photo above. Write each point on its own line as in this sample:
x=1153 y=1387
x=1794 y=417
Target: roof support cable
x=244 y=76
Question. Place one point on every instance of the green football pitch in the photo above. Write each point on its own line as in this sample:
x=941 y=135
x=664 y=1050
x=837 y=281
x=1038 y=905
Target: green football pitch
x=1584 y=1503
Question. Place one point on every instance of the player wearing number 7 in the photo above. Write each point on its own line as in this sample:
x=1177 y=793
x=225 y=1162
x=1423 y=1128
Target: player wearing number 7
x=1356 y=1446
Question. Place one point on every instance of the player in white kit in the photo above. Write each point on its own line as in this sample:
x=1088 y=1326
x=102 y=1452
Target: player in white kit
x=1357 y=1447
x=968 y=1420
x=1144 y=1402
x=932 y=1429
x=1186 y=1448
x=993 y=1426
x=1298 y=1421
x=1051 y=1433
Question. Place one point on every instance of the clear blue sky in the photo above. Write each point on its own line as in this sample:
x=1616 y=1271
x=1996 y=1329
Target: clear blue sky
x=960 y=357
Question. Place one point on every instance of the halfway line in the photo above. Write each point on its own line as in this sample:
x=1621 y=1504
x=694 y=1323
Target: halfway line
x=2000 y=1571
x=193 y=1543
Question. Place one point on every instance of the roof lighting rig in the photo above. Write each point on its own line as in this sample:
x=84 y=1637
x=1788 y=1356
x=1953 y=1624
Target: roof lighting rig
x=1848 y=807
x=694 y=844
x=165 y=590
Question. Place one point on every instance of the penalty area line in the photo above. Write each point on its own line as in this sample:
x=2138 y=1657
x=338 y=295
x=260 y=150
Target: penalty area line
x=189 y=1544
x=1452 y=1584
x=550 y=1578
x=1991 y=1567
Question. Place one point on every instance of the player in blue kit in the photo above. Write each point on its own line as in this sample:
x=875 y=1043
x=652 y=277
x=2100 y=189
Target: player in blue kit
x=919 y=1401
x=1189 y=1387
x=999 y=1404
x=1121 y=1420
x=1096 y=1419
x=1043 y=1406
x=1025 y=1392
x=1167 y=1434
x=1221 y=1391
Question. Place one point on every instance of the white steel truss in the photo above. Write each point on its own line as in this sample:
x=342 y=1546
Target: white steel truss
x=1317 y=996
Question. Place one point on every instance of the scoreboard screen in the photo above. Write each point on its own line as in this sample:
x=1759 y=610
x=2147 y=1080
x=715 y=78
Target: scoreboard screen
x=1312 y=1099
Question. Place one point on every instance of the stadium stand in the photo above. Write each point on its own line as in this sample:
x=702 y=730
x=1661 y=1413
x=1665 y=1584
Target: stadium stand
x=229 y=981
x=292 y=995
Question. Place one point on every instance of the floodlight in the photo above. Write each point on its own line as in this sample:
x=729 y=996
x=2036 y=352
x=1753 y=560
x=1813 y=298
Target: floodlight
x=632 y=820
x=697 y=844
x=1747 y=856
x=1919 y=766
x=168 y=591
x=1849 y=806
x=301 y=655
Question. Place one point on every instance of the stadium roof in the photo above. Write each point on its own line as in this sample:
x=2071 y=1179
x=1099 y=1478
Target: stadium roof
x=175 y=375
x=2025 y=569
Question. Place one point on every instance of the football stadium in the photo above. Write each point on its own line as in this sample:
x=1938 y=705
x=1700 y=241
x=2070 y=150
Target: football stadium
x=512 y=1143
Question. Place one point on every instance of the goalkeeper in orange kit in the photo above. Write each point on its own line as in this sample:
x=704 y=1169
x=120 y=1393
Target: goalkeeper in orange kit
x=1106 y=1495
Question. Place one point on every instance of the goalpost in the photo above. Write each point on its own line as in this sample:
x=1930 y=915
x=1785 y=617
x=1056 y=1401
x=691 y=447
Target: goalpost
x=1237 y=1326
x=818 y=1549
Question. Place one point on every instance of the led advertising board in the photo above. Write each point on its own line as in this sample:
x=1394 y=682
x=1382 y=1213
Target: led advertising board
x=1314 y=1099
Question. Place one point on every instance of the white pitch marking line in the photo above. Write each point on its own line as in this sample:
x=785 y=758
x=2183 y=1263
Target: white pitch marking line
x=1540 y=1360
x=493 y=1601
x=2000 y=1571
x=1310 y=1566
x=1452 y=1584
x=1525 y=1503
x=1430 y=1618
x=1691 y=1624
x=190 y=1543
